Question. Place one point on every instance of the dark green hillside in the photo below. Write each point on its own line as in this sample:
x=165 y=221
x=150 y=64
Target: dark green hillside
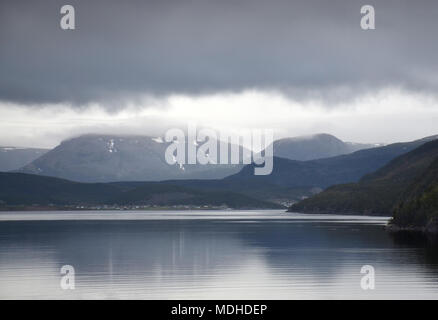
x=418 y=206
x=27 y=189
x=18 y=189
x=375 y=193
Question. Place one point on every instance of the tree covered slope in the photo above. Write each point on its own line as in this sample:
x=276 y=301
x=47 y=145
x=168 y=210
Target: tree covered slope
x=376 y=193
x=19 y=189
x=418 y=206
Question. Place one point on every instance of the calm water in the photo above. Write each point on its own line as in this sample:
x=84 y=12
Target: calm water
x=209 y=254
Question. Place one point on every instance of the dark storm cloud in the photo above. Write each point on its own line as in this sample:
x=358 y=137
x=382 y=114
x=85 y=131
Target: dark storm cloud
x=124 y=48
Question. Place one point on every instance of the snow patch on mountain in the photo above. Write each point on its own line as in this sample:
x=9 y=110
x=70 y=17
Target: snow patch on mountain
x=111 y=146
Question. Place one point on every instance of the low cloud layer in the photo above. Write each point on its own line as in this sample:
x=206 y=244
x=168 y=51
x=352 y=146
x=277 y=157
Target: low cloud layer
x=386 y=116
x=124 y=50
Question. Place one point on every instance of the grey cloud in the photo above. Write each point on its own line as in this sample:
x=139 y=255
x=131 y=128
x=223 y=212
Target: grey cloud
x=122 y=49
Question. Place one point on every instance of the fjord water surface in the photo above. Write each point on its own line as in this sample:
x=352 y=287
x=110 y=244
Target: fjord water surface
x=209 y=255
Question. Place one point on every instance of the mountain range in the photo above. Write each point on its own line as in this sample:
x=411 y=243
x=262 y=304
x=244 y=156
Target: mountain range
x=136 y=159
x=107 y=158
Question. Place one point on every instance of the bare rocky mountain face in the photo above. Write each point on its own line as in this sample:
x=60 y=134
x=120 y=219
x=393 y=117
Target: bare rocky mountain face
x=106 y=158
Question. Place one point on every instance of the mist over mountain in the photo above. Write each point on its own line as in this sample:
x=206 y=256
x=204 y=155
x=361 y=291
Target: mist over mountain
x=12 y=158
x=105 y=158
x=376 y=193
x=315 y=147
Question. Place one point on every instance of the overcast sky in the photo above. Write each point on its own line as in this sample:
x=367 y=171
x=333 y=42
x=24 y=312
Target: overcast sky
x=299 y=67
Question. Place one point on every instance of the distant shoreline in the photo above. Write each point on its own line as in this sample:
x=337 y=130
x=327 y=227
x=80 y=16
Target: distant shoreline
x=163 y=208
